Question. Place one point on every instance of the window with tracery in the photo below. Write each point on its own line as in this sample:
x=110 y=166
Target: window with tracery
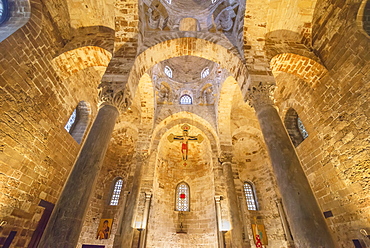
x=116 y=192
x=71 y=121
x=250 y=196
x=204 y=73
x=182 y=197
x=301 y=128
x=168 y=71
x=186 y=99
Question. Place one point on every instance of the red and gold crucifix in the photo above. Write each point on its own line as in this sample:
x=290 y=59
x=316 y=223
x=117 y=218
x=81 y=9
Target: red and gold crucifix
x=185 y=138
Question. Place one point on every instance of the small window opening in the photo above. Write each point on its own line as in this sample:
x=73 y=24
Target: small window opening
x=302 y=129
x=186 y=99
x=294 y=125
x=116 y=192
x=4 y=11
x=168 y=71
x=71 y=121
x=204 y=73
x=182 y=197
x=250 y=196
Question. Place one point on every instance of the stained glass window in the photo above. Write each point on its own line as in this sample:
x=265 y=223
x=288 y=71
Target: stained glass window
x=182 y=197
x=71 y=121
x=250 y=196
x=204 y=73
x=186 y=99
x=168 y=71
x=116 y=192
x=302 y=129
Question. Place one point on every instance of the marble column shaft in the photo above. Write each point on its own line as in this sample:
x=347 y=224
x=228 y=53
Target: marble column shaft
x=309 y=228
x=64 y=227
x=236 y=225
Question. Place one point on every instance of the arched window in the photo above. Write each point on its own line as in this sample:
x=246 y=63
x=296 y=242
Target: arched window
x=204 y=73
x=116 y=193
x=250 y=196
x=302 y=129
x=363 y=16
x=78 y=121
x=182 y=197
x=168 y=71
x=186 y=99
x=71 y=120
x=295 y=127
x=13 y=15
x=4 y=11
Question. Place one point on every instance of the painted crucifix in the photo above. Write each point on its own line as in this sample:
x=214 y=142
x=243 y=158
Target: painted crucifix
x=185 y=138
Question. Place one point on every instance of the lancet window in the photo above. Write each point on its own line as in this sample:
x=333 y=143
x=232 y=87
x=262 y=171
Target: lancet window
x=186 y=99
x=116 y=192
x=250 y=196
x=182 y=197
x=204 y=73
x=168 y=71
x=294 y=125
x=78 y=121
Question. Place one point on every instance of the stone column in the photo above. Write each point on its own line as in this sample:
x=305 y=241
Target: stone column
x=148 y=197
x=64 y=227
x=221 y=242
x=129 y=214
x=236 y=225
x=308 y=225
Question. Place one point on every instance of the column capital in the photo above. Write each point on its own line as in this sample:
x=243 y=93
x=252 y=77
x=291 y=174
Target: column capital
x=218 y=198
x=114 y=94
x=225 y=157
x=260 y=95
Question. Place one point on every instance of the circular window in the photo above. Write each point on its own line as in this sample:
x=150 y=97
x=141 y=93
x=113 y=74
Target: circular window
x=3 y=10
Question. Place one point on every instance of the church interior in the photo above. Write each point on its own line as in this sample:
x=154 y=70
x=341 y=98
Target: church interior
x=185 y=124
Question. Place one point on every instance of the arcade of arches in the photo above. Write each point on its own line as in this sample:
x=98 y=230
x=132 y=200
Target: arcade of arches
x=193 y=123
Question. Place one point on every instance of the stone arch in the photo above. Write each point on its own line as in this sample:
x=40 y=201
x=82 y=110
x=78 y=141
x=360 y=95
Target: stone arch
x=188 y=46
x=19 y=12
x=147 y=101
x=81 y=58
x=184 y=117
x=224 y=110
x=363 y=17
x=303 y=67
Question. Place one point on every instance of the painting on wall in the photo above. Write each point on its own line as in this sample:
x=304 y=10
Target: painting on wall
x=104 y=229
x=259 y=234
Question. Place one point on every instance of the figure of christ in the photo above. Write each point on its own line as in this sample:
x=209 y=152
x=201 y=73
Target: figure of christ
x=185 y=138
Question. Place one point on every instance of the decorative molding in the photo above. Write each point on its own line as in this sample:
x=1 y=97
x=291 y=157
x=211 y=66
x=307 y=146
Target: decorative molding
x=260 y=95
x=115 y=94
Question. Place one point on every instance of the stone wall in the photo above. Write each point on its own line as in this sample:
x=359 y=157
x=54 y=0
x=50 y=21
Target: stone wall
x=200 y=222
x=36 y=151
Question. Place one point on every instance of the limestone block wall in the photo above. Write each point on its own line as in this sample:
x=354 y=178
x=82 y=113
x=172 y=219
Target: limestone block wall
x=336 y=115
x=252 y=165
x=200 y=222
x=37 y=153
x=118 y=163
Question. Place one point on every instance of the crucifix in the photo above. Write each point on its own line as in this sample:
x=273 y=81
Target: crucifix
x=185 y=138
